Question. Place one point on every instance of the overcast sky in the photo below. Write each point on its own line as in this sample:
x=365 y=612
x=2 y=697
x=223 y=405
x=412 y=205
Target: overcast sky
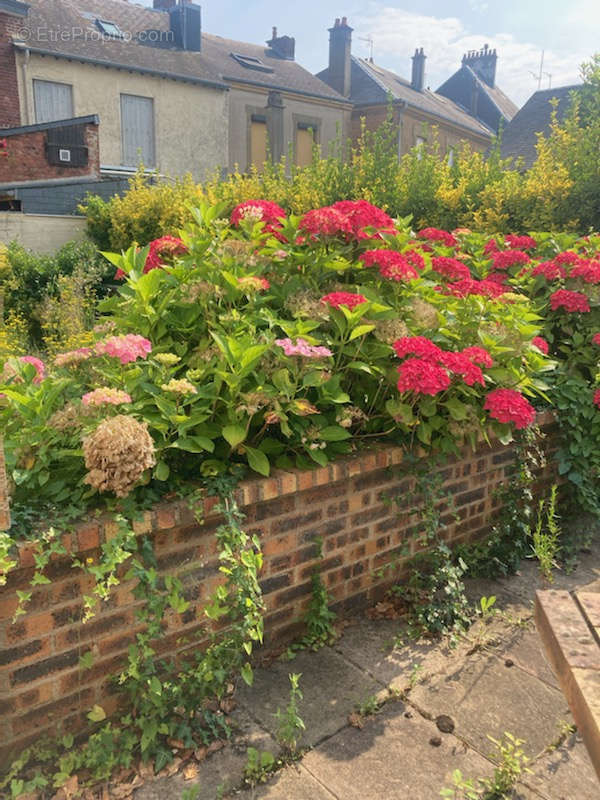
x=567 y=30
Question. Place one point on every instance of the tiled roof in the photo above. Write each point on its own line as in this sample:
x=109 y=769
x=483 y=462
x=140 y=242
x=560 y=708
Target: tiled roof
x=519 y=137
x=213 y=65
x=383 y=83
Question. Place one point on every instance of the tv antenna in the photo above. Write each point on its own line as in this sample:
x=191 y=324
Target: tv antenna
x=538 y=75
x=369 y=40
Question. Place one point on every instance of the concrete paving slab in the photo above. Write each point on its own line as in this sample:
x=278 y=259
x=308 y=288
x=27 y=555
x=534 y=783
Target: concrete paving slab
x=485 y=697
x=221 y=772
x=331 y=686
x=369 y=644
x=292 y=783
x=528 y=580
x=391 y=758
x=564 y=774
x=525 y=648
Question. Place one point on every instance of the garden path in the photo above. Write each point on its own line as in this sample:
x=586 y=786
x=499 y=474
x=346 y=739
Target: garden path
x=494 y=681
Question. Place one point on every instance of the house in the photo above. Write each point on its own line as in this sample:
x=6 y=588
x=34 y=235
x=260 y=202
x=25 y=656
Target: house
x=519 y=138
x=473 y=87
x=166 y=93
x=415 y=108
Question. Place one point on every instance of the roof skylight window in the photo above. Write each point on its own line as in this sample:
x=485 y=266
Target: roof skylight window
x=251 y=62
x=109 y=28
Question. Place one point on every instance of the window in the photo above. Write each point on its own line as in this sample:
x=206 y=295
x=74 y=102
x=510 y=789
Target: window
x=109 y=28
x=420 y=143
x=137 y=130
x=251 y=62
x=450 y=156
x=305 y=139
x=258 y=141
x=52 y=101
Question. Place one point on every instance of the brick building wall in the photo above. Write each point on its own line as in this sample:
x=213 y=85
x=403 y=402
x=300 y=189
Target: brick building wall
x=10 y=114
x=26 y=158
x=344 y=505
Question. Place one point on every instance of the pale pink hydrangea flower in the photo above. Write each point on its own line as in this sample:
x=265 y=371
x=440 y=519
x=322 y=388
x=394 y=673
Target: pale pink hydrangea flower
x=72 y=357
x=105 y=396
x=126 y=348
x=302 y=348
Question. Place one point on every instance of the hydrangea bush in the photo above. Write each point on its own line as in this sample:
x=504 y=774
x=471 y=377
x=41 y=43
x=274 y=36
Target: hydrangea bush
x=275 y=341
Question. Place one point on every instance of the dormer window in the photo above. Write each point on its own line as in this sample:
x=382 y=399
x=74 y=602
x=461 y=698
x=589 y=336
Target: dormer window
x=251 y=62
x=109 y=28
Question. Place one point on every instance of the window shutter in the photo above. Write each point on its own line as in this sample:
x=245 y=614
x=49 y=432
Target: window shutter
x=137 y=130
x=258 y=143
x=53 y=101
x=304 y=146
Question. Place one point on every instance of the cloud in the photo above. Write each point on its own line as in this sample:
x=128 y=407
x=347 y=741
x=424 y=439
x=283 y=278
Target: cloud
x=397 y=32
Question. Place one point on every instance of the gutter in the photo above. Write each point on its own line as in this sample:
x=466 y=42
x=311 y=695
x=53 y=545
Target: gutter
x=174 y=76
x=14 y=187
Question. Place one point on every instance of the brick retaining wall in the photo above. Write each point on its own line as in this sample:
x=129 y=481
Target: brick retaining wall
x=42 y=688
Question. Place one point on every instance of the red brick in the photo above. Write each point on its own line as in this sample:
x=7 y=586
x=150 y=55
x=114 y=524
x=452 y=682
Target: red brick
x=88 y=536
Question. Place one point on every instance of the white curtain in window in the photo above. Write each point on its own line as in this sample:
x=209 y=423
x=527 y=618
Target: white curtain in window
x=137 y=130
x=52 y=100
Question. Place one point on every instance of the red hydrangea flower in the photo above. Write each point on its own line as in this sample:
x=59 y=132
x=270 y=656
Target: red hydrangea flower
x=508 y=258
x=437 y=235
x=478 y=355
x=161 y=251
x=460 y=364
x=326 y=221
x=415 y=259
x=337 y=299
x=469 y=286
x=596 y=339
x=417 y=346
x=361 y=215
x=508 y=405
x=259 y=211
x=491 y=247
x=589 y=271
x=391 y=264
x=568 y=257
x=550 y=270
x=597 y=398
x=570 y=301
x=541 y=344
x=422 y=376
x=498 y=277
x=452 y=268
x=520 y=242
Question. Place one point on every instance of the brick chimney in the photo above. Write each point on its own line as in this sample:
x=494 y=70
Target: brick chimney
x=282 y=46
x=340 y=44
x=483 y=64
x=12 y=14
x=417 y=80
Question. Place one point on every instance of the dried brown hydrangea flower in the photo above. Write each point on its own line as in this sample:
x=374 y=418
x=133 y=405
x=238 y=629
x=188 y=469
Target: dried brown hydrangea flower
x=117 y=453
x=389 y=330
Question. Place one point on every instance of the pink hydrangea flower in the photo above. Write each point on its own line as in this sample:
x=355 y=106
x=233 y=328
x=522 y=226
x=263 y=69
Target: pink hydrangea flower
x=39 y=367
x=126 y=348
x=105 y=396
x=303 y=348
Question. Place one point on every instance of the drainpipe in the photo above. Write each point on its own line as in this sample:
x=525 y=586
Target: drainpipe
x=401 y=105
x=26 y=54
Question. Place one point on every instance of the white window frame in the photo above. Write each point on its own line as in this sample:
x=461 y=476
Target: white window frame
x=147 y=161
x=37 y=85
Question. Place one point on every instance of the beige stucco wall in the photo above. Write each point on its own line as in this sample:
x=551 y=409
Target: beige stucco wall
x=334 y=120
x=191 y=121
x=43 y=233
x=413 y=124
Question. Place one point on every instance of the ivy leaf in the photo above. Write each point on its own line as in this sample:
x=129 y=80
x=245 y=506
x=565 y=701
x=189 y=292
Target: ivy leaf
x=97 y=714
x=247 y=674
x=86 y=661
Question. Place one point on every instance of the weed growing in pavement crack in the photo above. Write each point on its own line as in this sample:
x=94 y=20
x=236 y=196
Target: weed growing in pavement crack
x=291 y=725
x=546 y=535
